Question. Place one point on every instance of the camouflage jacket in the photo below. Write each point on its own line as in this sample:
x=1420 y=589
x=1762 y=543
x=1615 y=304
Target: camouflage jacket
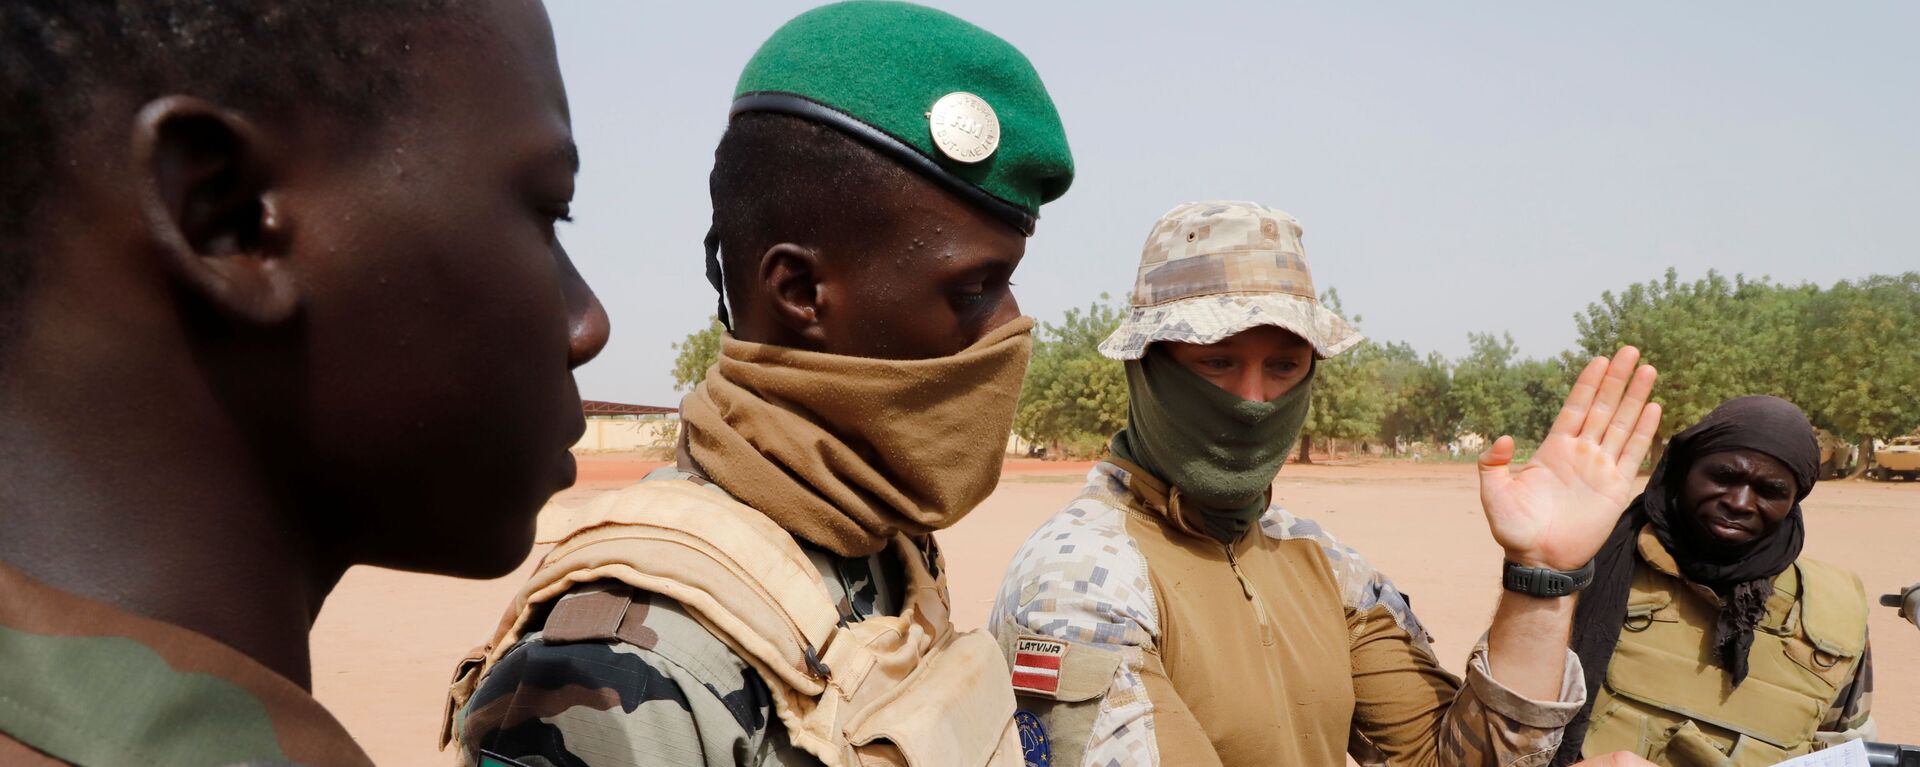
x=1134 y=644
x=669 y=693
x=85 y=684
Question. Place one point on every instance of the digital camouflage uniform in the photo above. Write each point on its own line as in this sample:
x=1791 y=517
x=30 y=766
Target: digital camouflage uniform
x=83 y=683
x=1333 y=650
x=1135 y=639
x=670 y=694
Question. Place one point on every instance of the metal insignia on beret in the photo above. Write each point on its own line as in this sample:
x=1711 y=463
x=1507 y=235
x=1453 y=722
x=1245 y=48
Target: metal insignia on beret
x=964 y=127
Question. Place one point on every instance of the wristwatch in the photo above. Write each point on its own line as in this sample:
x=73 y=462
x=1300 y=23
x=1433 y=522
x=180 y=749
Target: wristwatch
x=1545 y=582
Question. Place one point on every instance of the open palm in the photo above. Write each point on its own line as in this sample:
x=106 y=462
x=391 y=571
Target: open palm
x=1558 y=509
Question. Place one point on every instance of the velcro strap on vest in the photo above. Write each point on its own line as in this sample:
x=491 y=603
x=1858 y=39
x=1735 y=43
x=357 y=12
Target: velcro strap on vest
x=1663 y=678
x=1833 y=609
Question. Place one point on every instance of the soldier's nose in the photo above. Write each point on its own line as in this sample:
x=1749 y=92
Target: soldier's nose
x=1250 y=385
x=1742 y=501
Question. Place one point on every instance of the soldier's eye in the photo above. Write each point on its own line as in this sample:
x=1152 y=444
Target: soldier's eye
x=969 y=294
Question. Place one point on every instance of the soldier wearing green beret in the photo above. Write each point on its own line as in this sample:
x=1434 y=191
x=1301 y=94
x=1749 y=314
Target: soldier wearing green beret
x=776 y=597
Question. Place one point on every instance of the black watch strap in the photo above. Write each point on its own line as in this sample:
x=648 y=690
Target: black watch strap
x=1545 y=582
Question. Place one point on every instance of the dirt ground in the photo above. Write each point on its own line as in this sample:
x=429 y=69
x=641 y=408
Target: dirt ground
x=387 y=642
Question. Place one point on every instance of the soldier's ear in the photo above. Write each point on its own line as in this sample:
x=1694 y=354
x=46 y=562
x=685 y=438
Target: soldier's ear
x=205 y=176
x=789 y=277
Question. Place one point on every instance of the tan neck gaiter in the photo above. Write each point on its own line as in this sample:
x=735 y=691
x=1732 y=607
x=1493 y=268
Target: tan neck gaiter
x=845 y=452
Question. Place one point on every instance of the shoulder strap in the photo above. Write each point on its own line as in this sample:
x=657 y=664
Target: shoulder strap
x=730 y=565
x=1833 y=608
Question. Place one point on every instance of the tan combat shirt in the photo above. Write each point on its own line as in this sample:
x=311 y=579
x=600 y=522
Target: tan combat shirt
x=1135 y=644
x=85 y=684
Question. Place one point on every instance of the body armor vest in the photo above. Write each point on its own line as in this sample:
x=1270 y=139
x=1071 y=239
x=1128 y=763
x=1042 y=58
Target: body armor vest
x=1667 y=699
x=888 y=690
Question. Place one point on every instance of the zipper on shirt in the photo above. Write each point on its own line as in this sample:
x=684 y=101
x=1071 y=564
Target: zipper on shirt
x=1259 y=605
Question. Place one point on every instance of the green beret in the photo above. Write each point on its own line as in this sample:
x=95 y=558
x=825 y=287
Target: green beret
x=899 y=78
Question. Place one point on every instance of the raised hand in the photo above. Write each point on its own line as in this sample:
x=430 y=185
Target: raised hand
x=1558 y=509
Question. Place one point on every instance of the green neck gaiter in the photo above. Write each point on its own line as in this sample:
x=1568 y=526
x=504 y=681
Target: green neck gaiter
x=1221 y=451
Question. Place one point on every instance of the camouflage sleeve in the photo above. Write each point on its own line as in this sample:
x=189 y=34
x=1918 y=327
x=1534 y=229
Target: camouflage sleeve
x=1406 y=706
x=1080 y=583
x=1851 y=715
x=657 y=690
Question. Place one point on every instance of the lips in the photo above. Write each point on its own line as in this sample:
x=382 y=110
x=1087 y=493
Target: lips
x=570 y=467
x=1727 y=530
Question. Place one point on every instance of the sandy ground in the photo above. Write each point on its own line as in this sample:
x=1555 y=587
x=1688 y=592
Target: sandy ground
x=387 y=642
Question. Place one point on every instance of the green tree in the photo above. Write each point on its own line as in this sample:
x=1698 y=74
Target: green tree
x=1073 y=399
x=1544 y=385
x=1711 y=339
x=696 y=355
x=1348 y=398
x=1485 y=391
x=1859 y=361
x=1496 y=393
x=1423 y=406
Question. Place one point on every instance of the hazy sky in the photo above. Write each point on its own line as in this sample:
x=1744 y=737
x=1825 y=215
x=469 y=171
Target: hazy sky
x=1458 y=167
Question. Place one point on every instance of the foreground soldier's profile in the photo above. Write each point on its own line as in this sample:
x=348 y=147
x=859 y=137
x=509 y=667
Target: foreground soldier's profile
x=257 y=238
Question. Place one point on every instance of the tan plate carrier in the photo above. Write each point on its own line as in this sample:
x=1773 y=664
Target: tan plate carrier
x=1665 y=701
x=888 y=690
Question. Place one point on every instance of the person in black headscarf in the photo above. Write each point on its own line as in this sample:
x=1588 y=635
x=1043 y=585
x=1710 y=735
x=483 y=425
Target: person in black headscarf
x=1706 y=638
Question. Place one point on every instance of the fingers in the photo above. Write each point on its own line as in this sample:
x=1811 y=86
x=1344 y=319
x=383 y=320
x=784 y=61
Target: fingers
x=1574 y=411
x=1498 y=455
x=1639 y=442
x=1494 y=463
x=1628 y=414
x=1606 y=401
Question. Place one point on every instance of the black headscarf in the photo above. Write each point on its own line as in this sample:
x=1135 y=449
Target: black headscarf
x=1769 y=425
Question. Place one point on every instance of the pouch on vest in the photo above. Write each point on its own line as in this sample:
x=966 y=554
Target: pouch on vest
x=1665 y=698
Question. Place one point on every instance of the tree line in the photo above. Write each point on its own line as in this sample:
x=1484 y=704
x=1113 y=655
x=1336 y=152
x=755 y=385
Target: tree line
x=1849 y=355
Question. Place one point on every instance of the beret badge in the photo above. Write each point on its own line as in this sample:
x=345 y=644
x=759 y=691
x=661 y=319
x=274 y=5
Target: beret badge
x=964 y=126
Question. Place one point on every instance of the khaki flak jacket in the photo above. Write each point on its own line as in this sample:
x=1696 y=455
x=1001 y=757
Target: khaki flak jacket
x=888 y=690
x=1664 y=699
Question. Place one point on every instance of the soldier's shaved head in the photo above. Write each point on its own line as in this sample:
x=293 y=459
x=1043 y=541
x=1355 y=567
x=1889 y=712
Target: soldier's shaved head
x=778 y=178
x=830 y=246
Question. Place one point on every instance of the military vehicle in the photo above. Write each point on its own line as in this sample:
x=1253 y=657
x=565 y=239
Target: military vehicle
x=1836 y=454
x=1898 y=459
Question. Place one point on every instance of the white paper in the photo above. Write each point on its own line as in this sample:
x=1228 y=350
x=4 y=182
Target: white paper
x=1851 y=754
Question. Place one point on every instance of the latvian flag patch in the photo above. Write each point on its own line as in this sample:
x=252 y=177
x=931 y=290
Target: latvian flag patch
x=1036 y=664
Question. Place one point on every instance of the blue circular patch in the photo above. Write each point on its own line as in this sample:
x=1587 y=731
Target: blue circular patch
x=1034 y=746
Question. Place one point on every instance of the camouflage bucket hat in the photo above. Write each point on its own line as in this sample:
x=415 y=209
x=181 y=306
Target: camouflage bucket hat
x=1212 y=269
